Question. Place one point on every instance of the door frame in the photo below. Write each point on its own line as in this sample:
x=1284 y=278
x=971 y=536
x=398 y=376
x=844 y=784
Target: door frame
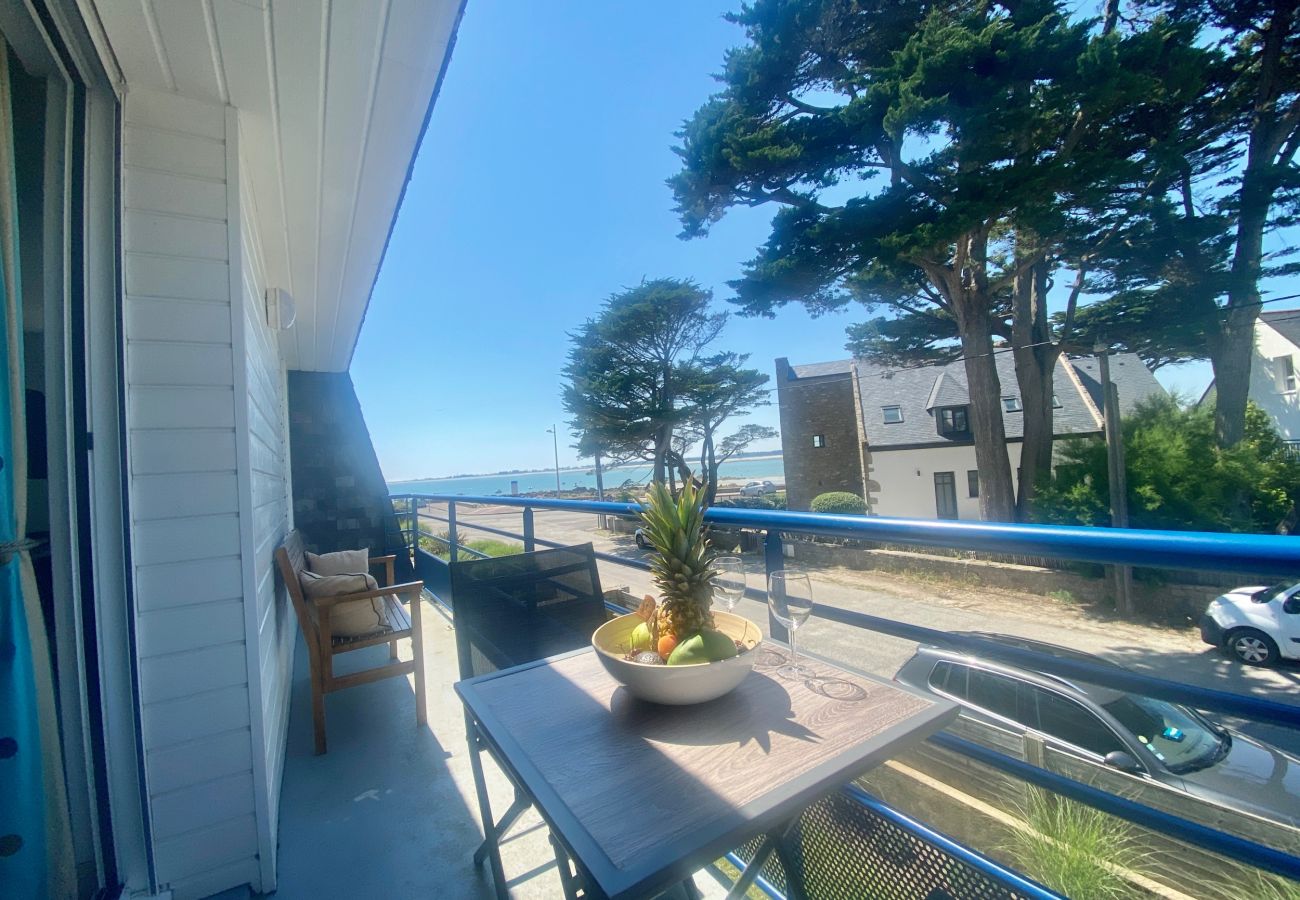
x=99 y=691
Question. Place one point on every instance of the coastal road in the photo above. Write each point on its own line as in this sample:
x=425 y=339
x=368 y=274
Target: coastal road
x=1175 y=653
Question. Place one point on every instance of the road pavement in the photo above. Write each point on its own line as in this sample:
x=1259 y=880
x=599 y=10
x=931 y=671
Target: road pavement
x=1173 y=653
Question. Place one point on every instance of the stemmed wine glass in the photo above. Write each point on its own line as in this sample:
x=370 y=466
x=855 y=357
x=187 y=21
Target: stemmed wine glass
x=729 y=582
x=789 y=597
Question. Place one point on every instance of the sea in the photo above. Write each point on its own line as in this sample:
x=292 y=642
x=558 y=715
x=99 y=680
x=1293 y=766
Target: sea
x=756 y=469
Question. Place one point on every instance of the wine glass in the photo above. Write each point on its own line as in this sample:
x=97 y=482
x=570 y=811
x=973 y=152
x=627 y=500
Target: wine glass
x=789 y=597
x=729 y=582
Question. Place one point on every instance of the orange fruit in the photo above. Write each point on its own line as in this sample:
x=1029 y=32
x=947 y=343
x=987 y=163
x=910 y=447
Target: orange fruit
x=666 y=644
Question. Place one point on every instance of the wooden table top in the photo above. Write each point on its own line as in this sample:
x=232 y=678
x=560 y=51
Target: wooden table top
x=643 y=794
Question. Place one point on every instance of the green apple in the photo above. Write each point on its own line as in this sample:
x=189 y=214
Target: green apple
x=641 y=639
x=707 y=646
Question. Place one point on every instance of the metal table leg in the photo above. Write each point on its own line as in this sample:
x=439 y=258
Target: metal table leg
x=493 y=849
x=777 y=842
x=517 y=808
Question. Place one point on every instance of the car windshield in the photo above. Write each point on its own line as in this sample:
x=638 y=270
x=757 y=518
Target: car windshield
x=1271 y=593
x=1178 y=737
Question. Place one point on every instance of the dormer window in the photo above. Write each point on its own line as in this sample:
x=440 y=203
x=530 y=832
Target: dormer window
x=953 y=421
x=1284 y=367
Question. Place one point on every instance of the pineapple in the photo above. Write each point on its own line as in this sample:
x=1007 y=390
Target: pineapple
x=683 y=567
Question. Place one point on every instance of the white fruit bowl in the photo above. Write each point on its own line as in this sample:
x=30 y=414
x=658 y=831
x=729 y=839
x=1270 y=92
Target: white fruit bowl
x=677 y=685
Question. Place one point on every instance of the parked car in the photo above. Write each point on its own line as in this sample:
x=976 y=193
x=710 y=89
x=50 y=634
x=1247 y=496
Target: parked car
x=1153 y=739
x=641 y=540
x=757 y=489
x=1258 y=625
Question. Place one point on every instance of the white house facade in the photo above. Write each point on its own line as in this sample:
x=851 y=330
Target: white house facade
x=901 y=437
x=1275 y=370
x=197 y=198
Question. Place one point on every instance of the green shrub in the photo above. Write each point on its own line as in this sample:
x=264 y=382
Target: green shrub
x=741 y=502
x=1178 y=477
x=839 y=502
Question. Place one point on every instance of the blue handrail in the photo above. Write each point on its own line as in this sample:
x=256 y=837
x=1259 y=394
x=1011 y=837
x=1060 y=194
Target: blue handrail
x=1256 y=554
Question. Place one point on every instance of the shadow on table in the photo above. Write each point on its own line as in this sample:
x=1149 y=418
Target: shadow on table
x=754 y=714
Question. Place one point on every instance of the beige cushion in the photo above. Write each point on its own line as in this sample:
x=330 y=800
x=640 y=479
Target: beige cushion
x=344 y=562
x=356 y=617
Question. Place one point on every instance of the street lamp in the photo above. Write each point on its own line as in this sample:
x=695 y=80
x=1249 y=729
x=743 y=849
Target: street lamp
x=555 y=440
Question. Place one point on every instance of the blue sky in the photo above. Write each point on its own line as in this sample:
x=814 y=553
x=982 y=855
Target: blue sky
x=539 y=191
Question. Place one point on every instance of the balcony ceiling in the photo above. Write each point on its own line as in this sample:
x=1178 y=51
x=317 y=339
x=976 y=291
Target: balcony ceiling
x=332 y=95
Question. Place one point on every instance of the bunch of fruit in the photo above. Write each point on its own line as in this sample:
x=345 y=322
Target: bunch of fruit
x=680 y=629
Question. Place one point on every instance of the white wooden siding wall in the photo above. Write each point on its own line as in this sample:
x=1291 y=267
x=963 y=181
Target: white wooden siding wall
x=196 y=392
x=269 y=500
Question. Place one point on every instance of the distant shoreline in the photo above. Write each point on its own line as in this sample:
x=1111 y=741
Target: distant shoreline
x=775 y=454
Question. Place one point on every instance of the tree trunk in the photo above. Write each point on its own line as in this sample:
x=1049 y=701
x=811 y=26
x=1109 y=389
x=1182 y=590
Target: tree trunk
x=1232 y=348
x=1036 y=358
x=663 y=442
x=709 y=458
x=1234 y=345
x=974 y=325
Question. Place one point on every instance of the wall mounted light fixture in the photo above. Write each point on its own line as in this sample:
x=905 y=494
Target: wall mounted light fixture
x=280 y=309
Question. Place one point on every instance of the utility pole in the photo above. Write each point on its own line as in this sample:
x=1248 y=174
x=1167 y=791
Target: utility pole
x=1117 y=476
x=600 y=492
x=555 y=441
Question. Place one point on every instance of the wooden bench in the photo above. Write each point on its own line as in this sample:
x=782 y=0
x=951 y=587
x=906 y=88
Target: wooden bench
x=323 y=645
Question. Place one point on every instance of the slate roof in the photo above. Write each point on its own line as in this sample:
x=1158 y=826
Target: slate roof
x=1131 y=377
x=921 y=390
x=816 y=370
x=1285 y=322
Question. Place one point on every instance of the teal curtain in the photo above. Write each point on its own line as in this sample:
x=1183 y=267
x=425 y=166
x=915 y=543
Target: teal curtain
x=35 y=851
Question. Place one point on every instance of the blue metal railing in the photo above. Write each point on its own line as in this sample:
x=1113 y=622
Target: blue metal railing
x=1252 y=554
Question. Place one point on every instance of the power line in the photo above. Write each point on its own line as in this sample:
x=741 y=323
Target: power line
x=936 y=365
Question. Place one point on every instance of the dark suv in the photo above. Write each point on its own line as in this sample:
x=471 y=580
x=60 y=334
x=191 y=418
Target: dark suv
x=1150 y=738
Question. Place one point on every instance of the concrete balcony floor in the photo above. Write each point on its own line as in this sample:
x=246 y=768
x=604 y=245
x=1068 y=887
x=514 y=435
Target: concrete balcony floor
x=390 y=810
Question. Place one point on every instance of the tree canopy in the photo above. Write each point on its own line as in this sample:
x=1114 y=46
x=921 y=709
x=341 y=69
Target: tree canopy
x=640 y=386
x=936 y=163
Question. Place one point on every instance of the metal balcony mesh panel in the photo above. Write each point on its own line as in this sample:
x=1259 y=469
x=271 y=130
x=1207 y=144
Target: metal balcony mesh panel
x=515 y=609
x=846 y=851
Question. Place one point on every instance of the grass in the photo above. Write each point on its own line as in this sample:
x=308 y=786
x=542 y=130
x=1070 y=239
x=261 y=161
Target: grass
x=1074 y=849
x=1274 y=887
x=487 y=546
x=1061 y=596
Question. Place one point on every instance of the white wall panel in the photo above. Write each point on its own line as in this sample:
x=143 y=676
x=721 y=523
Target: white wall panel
x=218 y=755
x=265 y=511
x=192 y=322
x=183 y=412
x=183 y=450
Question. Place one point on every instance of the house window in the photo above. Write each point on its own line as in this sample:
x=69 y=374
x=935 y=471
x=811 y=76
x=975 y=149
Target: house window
x=1284 y=366
x=973 y=482
x=819 y=440
x=893 y=414
x=1056 y=401
x=1011 y=404
x=952 y=420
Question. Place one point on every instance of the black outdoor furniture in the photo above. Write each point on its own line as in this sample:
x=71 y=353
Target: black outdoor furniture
x=511 y=610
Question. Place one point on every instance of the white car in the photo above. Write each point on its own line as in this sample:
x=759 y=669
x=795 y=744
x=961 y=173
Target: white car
x=757 y=489
x=1258 y=625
